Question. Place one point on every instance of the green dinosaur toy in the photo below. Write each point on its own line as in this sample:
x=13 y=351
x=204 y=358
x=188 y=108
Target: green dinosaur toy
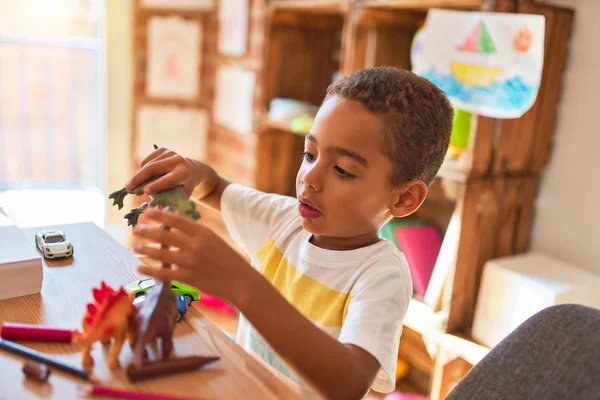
x=172 y=198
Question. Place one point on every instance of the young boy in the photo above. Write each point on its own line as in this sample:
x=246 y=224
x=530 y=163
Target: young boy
x=323 y=298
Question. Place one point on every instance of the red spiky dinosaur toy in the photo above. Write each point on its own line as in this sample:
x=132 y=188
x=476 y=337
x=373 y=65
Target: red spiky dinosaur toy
x=107 y=317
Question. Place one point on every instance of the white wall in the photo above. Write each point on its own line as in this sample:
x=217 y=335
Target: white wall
x=119 y=50
x=567 y=219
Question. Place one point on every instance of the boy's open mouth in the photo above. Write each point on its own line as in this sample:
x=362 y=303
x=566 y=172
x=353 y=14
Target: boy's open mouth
x=309 y=206
x=308 y=211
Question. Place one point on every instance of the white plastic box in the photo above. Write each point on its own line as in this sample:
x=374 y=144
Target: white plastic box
x=517 y=287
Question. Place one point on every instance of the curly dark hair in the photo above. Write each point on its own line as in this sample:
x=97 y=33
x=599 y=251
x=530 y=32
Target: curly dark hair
x=417 y=112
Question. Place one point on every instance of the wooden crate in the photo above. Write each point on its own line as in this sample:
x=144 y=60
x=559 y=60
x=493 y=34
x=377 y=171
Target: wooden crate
x=495 y=218
x=456 y=356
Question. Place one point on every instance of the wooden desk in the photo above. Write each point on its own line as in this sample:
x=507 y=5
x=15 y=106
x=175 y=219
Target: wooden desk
x=66 y=289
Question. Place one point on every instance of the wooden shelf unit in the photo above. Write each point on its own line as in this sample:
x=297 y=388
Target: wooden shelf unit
x=424 y=4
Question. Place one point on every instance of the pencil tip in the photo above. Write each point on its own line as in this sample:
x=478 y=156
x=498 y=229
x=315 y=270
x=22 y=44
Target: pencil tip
x=95 y=379
x=84 y=389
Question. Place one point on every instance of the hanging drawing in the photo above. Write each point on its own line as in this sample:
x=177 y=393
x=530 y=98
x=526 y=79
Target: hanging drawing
x=487 y=63
x=233 y=27
x=234 y=97
x=183 y=130
x=173 y=58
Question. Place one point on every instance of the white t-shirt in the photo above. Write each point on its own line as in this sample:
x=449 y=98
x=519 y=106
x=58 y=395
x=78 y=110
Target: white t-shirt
x=359 y=296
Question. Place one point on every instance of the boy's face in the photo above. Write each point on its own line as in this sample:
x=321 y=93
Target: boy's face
x=343 y=185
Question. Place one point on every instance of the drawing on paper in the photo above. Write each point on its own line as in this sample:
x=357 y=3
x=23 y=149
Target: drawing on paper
x=173 y=58
x=491 y=67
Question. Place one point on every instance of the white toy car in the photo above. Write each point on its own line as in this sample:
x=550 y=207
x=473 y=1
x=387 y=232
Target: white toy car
x=53 y=244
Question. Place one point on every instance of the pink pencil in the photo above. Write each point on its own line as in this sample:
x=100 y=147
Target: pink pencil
x=36 y=333
x=124 y=394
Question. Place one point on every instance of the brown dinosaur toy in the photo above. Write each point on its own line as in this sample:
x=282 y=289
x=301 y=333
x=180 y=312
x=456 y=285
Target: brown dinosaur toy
x=155 y=318
x=106 y=317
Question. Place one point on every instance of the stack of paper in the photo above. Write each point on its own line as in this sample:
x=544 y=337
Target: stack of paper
x=21 y=271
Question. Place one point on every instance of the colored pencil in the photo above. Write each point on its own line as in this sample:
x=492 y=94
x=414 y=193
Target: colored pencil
x=97 y=390
x=167 y=367
x=45 y=359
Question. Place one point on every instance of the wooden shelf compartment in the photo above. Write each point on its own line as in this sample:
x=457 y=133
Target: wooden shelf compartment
x=310 y=6
x=279 y=158
x=281 y=127
x=302 y=60
x=480 y=220
x=378 y=37
x=423 y=4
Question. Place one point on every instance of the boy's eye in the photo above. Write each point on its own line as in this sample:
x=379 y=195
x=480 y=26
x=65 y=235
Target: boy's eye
x=309 y=156
x=343 y=173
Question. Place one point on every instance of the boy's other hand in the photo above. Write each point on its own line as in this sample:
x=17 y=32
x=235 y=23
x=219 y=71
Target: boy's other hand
x=173 y=169
x=201 y=258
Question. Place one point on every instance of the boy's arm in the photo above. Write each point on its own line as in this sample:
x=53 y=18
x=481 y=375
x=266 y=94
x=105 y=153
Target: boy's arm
x=211 y=186
x=333 y=369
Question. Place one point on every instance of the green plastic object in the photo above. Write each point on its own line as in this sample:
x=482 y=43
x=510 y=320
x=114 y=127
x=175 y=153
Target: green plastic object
x=461 y=129
x=141 y=286
x=301 y=124
x=387 y=231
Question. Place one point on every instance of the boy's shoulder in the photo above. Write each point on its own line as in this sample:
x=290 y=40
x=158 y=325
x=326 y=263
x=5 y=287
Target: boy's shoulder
x=388 y=259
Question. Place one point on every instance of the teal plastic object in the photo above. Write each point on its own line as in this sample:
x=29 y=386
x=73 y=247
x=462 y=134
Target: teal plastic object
x=387 y=231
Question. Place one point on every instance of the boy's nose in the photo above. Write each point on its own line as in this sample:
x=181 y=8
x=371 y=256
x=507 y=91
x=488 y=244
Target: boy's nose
x=311 y=178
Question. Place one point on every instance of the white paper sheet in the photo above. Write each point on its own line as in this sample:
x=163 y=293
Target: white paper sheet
x=184 y=5
x=234 y=98
x=487 y=63
x=182 y=130
x=233 y=27
x=173 y=58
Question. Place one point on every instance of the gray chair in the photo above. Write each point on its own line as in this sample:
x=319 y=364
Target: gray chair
x=553 y=355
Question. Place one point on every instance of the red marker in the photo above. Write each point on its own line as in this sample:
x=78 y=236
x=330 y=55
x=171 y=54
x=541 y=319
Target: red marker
x=124 y=394
x=35 y=333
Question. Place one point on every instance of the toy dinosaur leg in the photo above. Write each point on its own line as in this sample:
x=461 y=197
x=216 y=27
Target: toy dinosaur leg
x=87 y=361
x=133 y=215
x=118 y=196
x=105 y=339
x=113 y=357
x=140 y=352
x=131 y=337
x=167 y=345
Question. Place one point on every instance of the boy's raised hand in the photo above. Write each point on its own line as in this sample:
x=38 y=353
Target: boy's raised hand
x=202 y=259
x=174 y=170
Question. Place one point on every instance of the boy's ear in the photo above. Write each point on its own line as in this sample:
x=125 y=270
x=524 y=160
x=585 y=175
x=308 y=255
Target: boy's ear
x=408 y=198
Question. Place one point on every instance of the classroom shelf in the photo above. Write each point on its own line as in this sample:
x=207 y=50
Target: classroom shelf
x=424 y=4
x=278 y=126
x=311 y=6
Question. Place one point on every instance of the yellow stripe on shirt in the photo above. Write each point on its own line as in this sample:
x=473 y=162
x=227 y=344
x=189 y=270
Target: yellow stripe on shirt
x=316 y=301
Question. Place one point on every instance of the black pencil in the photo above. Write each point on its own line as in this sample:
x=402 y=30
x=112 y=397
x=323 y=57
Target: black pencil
x=44 y=359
